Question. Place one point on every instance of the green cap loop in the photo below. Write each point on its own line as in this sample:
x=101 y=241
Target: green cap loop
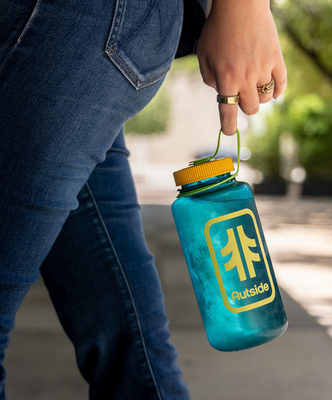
x=208 y=159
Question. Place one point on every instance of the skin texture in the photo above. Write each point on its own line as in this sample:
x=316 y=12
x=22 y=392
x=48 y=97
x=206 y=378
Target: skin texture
x=239 y=51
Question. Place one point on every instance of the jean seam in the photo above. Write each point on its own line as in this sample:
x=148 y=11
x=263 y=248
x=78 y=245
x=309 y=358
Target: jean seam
x=25 y=29
x=119 y=9
x=147 y=81
x=127 y=286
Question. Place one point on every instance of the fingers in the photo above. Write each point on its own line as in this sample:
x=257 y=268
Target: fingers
x=266 y=97
x=228 y=118
x=249 y=98
x=207 y=74
x=279 y=74
x=248 y=102
x=228 y=112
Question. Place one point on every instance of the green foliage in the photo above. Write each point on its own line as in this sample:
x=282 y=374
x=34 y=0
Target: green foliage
x=264 y=146
x=309 y=120
x=305 y=32
x=308 y=24
x=154 y=118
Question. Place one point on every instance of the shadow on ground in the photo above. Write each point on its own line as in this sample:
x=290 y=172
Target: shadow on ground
x=41 y=365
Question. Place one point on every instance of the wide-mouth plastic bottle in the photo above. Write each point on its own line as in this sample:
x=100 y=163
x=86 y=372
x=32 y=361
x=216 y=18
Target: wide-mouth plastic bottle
x=227 y=257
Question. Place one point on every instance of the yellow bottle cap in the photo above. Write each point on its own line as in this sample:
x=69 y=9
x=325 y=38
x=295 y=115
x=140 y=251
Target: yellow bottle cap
x=203 y=171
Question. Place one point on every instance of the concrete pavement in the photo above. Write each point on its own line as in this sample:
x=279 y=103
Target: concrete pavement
x=40 y=361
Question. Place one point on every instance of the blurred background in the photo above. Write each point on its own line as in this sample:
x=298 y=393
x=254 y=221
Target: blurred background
x=286 y=156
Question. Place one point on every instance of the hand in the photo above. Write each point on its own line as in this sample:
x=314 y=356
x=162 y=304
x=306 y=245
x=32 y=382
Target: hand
x=239 y=51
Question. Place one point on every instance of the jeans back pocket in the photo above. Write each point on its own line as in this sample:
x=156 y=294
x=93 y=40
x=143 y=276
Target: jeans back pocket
x=144 y=37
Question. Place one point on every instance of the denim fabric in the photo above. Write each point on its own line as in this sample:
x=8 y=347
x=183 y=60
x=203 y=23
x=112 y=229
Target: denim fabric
x=146 y=27
x=63 y=169
x=105 y=289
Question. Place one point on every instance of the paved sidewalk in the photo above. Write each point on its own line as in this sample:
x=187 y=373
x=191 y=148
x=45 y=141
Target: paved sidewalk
x=40 y=361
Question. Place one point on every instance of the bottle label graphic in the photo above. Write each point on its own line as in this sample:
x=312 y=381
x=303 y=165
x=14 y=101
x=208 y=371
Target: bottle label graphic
x=239 y=260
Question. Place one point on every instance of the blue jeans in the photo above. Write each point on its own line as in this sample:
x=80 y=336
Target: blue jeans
x=71 y=73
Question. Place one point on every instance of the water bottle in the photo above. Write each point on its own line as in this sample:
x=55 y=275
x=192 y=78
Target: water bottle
x=227 y=257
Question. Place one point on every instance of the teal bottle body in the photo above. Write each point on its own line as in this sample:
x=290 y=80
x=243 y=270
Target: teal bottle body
x=229 y=265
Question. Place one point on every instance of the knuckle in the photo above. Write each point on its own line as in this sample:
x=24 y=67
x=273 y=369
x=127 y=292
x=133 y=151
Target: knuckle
x=228 y=117
x=227 y=78
x=250 y=75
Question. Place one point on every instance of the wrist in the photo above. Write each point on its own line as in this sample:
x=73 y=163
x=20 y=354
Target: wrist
x=239 y=6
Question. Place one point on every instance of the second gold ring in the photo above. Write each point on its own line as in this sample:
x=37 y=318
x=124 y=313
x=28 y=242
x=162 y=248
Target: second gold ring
x=266 y=88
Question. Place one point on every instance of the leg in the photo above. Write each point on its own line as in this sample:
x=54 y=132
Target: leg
x=105 y=288
x=62 y=103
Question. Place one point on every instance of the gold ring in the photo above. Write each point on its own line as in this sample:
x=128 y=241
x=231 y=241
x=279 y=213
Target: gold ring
x=227 y=100
x=266 y=88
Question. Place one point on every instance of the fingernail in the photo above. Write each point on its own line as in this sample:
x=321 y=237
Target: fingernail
x=278 y=97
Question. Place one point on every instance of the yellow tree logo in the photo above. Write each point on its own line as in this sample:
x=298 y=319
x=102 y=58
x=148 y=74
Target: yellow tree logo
x=236 y=261
x=241 y=260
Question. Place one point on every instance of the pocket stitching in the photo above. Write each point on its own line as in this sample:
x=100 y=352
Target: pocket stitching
x=120 y=6
x=155 y=77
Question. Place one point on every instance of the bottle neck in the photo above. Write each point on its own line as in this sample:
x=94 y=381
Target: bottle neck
x=205 y=182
